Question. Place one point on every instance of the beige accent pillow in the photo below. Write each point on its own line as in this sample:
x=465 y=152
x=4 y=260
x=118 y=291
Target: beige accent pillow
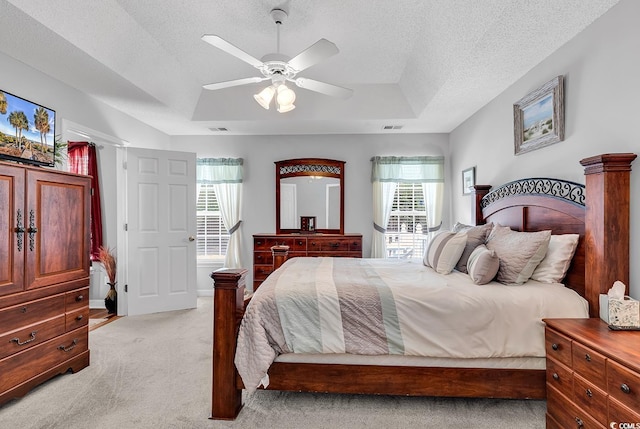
x=444 y=251
x=519 y=252
x=555 y=264
x=483 y=265
x=476 y=235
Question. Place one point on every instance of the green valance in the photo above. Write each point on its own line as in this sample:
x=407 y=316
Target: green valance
x=407 y=169
x=219 y=170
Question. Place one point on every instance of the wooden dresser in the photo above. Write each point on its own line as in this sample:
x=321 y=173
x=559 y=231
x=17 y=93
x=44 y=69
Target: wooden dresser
x=337 y=245
x=44 y=276
x=593 y=375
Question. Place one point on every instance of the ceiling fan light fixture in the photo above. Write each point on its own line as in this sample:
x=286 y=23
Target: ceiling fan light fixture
x=285 y=95
x=285 y=108
x=265 y=96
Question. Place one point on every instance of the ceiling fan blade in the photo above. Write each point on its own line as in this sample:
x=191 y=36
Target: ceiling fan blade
x=223 y=45
x=236 y=82
x=315 y=53
x=324 y=88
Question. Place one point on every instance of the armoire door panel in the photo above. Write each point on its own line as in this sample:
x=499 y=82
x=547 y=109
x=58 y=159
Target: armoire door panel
x=11 y=221
x=57 y=229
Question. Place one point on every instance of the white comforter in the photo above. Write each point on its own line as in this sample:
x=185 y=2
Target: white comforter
x=378 y=306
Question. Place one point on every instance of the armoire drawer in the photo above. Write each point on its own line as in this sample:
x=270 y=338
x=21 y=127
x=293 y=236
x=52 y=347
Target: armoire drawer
x=76 y=299
x=35 y=360
x=21 y=315
x=32 y=335
x=77 y=318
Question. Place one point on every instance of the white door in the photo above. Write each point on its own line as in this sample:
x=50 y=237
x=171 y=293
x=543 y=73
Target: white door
x=161 y=226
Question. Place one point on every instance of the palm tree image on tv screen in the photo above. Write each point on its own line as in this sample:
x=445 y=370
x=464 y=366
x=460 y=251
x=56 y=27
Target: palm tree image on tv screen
x=27 y=131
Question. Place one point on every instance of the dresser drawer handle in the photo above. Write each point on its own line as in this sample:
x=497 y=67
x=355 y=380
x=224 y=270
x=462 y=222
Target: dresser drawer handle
x=23 y=310
x=79 y=317
x=22 y=343
x=555 y=376
x=589 y=393
x=579 y=422
x=554 y=346
x=587 y=357
x=625 y=388
x=71 y=347
x=79 y=298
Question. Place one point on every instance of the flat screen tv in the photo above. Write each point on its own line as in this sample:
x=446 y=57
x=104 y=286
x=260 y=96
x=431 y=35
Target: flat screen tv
x=27 y=131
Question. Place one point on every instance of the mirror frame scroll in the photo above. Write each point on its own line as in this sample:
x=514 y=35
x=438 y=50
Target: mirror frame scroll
x=310 y=167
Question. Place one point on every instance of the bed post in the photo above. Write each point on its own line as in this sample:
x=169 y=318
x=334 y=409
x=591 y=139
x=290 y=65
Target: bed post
x=606 y=224
x=478 y=191
x=228 y=307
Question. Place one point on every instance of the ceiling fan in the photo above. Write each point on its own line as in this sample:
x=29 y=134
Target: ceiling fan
x=279 y=69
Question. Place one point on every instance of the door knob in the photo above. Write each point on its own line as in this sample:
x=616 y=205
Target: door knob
x=192 y=238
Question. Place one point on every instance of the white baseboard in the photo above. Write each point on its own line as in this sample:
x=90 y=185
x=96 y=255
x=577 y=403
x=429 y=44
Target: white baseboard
x=204 y=292
x=96 y=303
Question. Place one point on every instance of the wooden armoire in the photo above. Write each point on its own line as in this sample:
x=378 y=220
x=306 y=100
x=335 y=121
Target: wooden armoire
x=44 y=276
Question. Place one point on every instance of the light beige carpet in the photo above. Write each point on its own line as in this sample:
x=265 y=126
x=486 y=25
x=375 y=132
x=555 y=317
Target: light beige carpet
x=154 y=371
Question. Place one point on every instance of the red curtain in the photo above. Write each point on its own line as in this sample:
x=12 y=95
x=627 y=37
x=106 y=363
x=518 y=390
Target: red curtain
x=82 y=158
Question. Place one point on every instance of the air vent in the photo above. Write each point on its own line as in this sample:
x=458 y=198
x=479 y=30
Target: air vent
x=392 y=127
x=220 y=129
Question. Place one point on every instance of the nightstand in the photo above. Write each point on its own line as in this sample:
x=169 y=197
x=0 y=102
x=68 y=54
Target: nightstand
x=593 y=375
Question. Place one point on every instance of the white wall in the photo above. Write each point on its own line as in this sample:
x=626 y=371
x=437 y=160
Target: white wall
x=81 y=111
x=260 y=153
x=602 y=70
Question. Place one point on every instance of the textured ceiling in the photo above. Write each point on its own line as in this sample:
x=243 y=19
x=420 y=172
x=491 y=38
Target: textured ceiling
x=425 y=65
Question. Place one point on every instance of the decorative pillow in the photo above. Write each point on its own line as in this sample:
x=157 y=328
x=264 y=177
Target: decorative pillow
x=444 y=251
x=519 y=252
x=483 y=265
x=555 y=264
x=459 y=227
x=476 y=235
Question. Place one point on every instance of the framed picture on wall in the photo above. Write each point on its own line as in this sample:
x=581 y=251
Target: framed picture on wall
x=538 y=117
x=468 y=180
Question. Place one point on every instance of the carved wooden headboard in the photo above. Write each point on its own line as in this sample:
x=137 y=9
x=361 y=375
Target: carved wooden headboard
x=598 y=211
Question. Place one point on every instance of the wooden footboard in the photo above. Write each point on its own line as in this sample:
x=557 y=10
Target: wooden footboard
x=228 y=308
x=229 y=294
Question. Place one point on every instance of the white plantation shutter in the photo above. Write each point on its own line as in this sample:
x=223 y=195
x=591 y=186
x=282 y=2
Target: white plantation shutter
x=213 y=238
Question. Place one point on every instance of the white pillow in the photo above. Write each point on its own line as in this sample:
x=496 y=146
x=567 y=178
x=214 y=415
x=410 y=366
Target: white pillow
x=444 y=251
x=555 y=264
x=519 y=252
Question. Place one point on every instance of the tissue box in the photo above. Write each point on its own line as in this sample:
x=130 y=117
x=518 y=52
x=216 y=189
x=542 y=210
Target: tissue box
x=624 y=312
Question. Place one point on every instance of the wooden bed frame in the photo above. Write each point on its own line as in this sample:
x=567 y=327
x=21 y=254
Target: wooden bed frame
x=598 y=211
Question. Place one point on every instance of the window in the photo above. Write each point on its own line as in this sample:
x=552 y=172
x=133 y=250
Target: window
x=407 y=227
x=213 y=237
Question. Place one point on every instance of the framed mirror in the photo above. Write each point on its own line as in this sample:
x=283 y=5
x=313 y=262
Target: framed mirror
x=310 y=196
